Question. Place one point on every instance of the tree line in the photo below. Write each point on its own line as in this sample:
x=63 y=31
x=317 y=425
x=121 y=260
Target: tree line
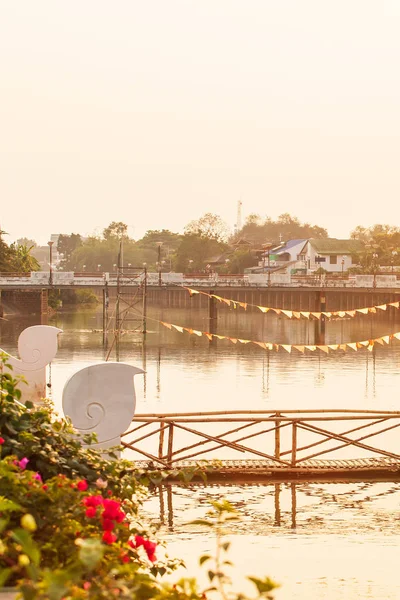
x=206 y=244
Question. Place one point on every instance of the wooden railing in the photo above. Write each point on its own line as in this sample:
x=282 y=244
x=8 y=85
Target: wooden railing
x=286 y=439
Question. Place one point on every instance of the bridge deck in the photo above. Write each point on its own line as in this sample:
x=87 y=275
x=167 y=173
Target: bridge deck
x=231 y=470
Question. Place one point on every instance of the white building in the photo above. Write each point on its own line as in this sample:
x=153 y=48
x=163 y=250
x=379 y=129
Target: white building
x=330 y=254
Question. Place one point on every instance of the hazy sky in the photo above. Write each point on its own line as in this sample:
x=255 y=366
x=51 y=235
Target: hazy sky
x=154 y=112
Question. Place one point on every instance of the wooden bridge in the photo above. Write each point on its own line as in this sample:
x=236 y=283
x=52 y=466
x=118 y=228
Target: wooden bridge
x=269 y=445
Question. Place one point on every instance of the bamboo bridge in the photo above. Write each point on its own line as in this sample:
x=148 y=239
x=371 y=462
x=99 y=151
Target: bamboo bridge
x=269 y=445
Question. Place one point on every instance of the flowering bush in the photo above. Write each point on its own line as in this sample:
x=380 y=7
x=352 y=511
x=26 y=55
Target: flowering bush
x=69 y=519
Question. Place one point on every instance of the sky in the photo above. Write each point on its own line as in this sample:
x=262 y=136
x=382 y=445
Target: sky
x=154 y=112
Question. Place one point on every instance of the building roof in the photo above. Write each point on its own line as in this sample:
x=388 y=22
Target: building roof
x=335 y=246
x=285 y=247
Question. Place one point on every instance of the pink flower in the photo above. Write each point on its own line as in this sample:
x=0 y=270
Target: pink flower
x=108 y=525
x=93 y=501
x=150 y=547
x=37 y=476
x=101 y=484
x=90 y=512
x=82 y=485
x=111 y=508
x=23 y=462
x=109 y=537
x=87 y=585
x=2 y=440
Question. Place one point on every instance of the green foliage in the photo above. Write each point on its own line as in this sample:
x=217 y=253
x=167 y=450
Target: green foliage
x=70 y=522
x=199 y=250
x=66 y=246
x=209 y=226
x=259 y=231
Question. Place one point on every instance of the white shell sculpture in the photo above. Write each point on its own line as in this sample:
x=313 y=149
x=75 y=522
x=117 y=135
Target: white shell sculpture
x=101 y=399
x=37 y=346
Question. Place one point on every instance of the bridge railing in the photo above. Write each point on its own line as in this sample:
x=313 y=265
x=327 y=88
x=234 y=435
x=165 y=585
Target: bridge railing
x=287 y=439
x=60 y=278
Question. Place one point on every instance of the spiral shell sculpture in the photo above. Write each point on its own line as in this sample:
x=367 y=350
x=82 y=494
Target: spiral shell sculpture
x=37 y=346
x=101 y=399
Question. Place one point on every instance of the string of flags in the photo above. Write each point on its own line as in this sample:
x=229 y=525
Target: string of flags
x=368 y=344
x=292 y=314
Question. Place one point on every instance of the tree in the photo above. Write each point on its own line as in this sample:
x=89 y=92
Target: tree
x=5 y=254
x=284 y=228
x=116 y=230
x=66 y=246
x=195 y=251
x=22 y=260
x=24 y=241
x=209 y=226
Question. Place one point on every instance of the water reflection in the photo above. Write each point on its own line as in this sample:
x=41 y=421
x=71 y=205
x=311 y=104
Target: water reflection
x=308 y=508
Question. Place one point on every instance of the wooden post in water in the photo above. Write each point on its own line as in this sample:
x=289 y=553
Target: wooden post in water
x=319 y=327
x=212 y=314
x=144 y=326
x=277 y=437
x=294 y=443
x=105 y=312
x=161 y=441
x=170 y=443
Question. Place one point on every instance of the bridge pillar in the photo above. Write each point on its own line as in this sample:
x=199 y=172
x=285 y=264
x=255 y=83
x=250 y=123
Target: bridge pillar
x=320 y=325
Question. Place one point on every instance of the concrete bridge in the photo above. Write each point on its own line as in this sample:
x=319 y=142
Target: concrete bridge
x=28 y=293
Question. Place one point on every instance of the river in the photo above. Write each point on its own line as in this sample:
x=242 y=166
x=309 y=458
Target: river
x=319 y=540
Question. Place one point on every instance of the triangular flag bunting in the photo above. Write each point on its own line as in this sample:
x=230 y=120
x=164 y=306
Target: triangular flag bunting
x=324 y=349
x=286 y=347
x=243 y=305
x=379 y=341
x=364 y=343
x=178 y=328
x=372 y=309
x=261 y=344
x=364 y=311
x=353 y=346
x=263 y=309
x=228 y=302
x=343 y=347
x=386 y=339
x=208 y=335
x=192 y=292
x=382 y=306
x=277 y=310
x=269 y=346
x=288 y=313
x=220 y=337
x=233 y=340
x=312 y=348
x=370 y=346
x=317 y=315
x=327 y=314
x=351 y=313
x=397 y=335
x=296 y=315
x=199 y=333
x=300 y=348
x=168 y=325
x=333 y=346
x=395 y=304
x=341 y=313
x=305 y=314
x=244 y=341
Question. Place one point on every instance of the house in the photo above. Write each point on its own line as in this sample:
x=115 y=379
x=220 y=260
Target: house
x=331 y=254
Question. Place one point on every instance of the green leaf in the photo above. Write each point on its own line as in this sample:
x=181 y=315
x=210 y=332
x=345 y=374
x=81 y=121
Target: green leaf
x=7 y=505
x=91 y=552
x=264 y=586
x=204 y=558
x=22 y=537
x=4 y=575
x=201 y=522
